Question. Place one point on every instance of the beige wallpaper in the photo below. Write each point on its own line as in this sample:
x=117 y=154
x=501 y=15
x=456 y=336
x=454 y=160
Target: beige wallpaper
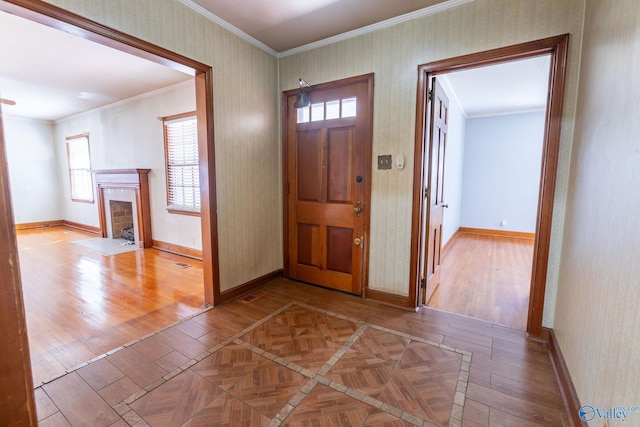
x=246 y=124
x=394 y=54
x=597 y=316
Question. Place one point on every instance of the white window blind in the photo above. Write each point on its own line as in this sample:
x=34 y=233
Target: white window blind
x=79 y=160
x=183 y=177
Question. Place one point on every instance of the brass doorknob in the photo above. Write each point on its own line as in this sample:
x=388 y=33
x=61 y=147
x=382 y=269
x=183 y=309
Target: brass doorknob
x=357 y=241
x=356 y=208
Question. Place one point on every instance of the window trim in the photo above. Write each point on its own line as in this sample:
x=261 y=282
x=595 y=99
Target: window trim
x=173 y=208
x=70 y=169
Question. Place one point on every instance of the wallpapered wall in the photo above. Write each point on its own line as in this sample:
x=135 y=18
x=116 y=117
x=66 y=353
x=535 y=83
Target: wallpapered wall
x=246 y=124
x=394 y=54
x=597 y=316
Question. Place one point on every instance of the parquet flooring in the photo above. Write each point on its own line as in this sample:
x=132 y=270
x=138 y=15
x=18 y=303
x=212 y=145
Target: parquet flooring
x=486 y=277
x=306 y=356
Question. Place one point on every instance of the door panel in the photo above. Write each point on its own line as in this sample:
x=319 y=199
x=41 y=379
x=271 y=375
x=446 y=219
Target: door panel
x=328 y=155
x=435 y=185
x=310 y=163
x=339 y=249
x=308 y=238
x=339 y=166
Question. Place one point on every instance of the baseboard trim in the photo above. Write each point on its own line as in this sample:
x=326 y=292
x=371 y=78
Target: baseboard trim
x=449 y=243
x=249 y=286
x=83 y=227
x=391 y=299
x=39 y=224
x=177 y=249
x=502 y=233
x=567 y=390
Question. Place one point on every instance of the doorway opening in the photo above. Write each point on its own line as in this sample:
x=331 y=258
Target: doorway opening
x=491 y=177
x=428 y=192
x=60 y=19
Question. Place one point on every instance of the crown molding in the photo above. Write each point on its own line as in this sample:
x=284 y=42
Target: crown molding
x=235 y=30
x=377 y=26
x=344 y=36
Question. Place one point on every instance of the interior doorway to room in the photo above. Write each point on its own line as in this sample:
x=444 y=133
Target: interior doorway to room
x=430 y=183
x=51 y=16
x=488 y=181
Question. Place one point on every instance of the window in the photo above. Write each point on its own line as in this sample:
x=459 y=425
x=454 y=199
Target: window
x=181 y=153
x=80 y=179
x=339 y=108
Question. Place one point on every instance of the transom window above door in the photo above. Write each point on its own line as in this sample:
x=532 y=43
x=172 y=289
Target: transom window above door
x=336 y=109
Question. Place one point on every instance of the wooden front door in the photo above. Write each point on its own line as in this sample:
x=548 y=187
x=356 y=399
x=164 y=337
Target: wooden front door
x=328 y=163
x=435 y=187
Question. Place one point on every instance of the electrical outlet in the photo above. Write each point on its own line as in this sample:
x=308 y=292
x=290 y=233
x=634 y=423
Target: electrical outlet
x=384 y=162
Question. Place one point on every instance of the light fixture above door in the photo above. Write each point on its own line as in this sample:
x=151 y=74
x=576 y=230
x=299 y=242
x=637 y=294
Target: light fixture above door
x=302 y=98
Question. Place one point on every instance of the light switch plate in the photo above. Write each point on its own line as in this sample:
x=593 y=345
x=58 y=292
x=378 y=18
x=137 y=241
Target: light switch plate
x=385 y=162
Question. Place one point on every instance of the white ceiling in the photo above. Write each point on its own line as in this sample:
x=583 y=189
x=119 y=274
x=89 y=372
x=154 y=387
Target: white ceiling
x=287 y=24
x=51 y=74
x=510 y=87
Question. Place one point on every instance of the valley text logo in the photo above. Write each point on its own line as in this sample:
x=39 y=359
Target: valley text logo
x=589 y=413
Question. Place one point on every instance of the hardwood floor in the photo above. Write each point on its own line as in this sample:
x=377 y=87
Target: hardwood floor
x=80 y=303
x=486 y=277
x=299 y=355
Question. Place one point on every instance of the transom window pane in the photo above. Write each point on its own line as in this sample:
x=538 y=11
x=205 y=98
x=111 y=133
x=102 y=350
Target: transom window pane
x=349 y=107
x=333 y=110
x=327 y=110
x=303 y=115
x=317 y=112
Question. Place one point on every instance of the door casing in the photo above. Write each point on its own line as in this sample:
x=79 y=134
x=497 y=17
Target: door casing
x=557 y=47
x=369 y=78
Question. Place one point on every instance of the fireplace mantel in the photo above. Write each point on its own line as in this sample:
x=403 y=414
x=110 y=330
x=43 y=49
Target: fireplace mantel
x=134 y=179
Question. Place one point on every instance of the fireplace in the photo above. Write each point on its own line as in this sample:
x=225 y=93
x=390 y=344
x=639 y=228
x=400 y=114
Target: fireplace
x=122 y=225
x=123 y=199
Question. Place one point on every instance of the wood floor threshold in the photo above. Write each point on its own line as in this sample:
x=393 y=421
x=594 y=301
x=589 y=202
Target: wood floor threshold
x=390 y=299
x=249 y=286
x=565 y=384
x=503 y=233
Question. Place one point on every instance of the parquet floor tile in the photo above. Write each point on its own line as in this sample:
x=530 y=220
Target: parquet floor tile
x=431 y=360
x=272 y=335
x=380 y=344
x=308 y=350
x=382 y=419
x=424 y=383
x=334 y=330
x=327 y=407
x=298 y=317
x=227 y=411
x=228 y=365
x=363 y=372
x=177 y=400
x=268 y=387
